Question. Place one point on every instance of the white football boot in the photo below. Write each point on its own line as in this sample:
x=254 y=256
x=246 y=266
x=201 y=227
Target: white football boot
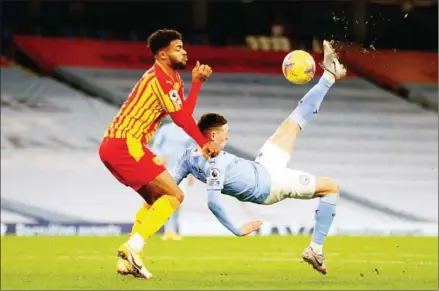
x=331 y=63
x=134 y=258
x=123 y=267
x=315 y=260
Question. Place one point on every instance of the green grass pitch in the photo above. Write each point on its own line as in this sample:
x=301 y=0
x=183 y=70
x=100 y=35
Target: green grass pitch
x=221 y=263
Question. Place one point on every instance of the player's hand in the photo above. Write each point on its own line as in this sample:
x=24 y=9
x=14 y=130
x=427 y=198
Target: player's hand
x=191 y=180
x=250 y=227
x=210 y=150
x=200 y=73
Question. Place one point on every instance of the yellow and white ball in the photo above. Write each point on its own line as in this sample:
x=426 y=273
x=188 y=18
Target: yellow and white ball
x=298 y=67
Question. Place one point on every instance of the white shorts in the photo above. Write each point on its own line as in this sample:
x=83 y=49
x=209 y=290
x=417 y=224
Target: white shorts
x=285 y=182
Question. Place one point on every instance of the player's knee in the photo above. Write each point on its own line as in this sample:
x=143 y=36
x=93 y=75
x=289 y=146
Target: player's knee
x=334 y=187
x=179 y=195
x=326 y=186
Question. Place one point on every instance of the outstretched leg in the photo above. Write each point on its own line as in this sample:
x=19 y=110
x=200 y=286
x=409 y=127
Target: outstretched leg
x=284 y=138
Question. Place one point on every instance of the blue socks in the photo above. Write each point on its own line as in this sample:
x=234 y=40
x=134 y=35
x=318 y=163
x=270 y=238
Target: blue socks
x=325 y=214
x=172 y=224
x=310 y=103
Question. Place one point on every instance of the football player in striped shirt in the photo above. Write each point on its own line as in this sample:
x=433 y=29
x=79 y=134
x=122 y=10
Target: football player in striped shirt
x=158 y=93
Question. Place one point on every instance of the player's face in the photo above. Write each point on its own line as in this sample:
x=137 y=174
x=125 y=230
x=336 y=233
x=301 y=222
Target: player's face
x=177 y=56
x=220 y=136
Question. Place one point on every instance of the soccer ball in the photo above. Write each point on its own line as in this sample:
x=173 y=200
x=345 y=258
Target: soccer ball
x=298 y=67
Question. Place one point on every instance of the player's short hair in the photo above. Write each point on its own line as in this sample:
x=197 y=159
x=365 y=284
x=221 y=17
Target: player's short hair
x=161 y=38
x=211 y=120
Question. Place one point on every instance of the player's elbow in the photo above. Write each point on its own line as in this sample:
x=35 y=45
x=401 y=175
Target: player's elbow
x=178 y=117
x=212 y=206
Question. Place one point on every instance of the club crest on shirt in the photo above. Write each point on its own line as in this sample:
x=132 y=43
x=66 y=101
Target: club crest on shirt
x=304 y=179
x=214 y=174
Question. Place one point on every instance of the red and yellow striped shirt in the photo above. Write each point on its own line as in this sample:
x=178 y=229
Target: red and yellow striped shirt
x=155 y=95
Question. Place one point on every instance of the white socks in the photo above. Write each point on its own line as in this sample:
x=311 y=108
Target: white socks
x=318 y=249
x=328 y=76
x=137 y=242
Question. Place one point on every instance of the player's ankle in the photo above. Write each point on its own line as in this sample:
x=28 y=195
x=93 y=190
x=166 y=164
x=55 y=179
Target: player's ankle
x=329 y=76
x=317 y=248
x=136 y=242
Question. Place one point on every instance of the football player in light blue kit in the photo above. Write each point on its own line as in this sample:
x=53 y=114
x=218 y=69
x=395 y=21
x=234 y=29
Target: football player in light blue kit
x=169 y=142
x=267 y=180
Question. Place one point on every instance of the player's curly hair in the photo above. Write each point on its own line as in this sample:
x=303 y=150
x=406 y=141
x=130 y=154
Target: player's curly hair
x=211 y=120
x=161 y=38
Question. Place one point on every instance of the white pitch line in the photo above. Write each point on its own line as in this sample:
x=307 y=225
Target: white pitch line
x=409 y=255
x=244 y=259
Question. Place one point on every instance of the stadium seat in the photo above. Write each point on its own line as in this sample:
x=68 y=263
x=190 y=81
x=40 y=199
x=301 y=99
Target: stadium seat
x=252 y=42
x=280 y=43
x=264 y=43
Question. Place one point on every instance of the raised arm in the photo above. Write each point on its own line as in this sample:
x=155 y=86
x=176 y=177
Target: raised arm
x=173 y=105
x=200 y=73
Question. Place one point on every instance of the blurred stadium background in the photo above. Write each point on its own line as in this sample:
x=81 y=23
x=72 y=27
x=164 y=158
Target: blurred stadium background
x=67 y=66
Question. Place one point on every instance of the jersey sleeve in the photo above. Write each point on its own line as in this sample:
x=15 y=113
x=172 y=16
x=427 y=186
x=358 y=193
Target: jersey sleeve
x=164 y=89
x=180 y=170
x=215 y=175
x=166 y=94
x=220 y=213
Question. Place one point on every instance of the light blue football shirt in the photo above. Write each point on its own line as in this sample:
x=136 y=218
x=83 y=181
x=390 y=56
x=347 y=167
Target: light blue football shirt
x=226 y=173
x=170 y=141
